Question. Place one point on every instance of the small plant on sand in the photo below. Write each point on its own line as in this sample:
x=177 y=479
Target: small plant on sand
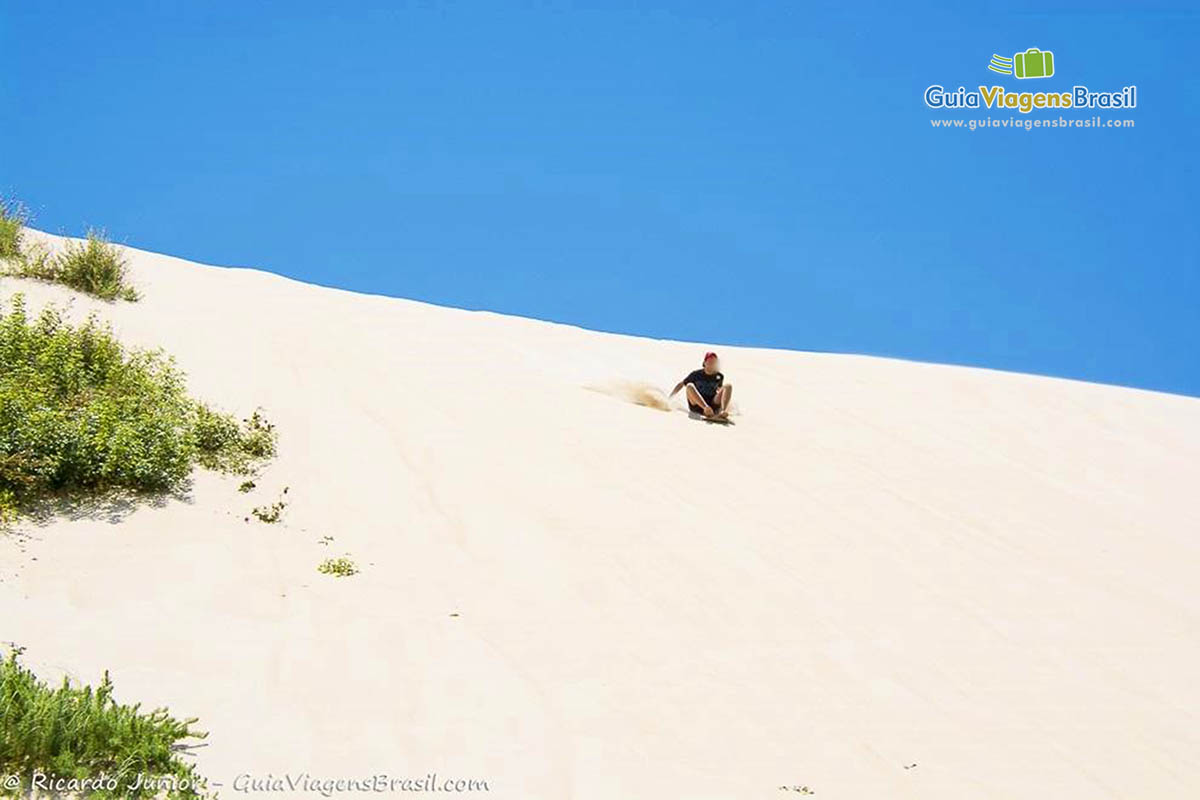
x=245 y=487
x=337 y=567
x=80 y=732
x=269 y=514
x=227 y=446
x=272 y=512
x=12 y=226
x=82 y=414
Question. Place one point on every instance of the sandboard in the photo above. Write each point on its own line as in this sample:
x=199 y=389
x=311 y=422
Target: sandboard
x=711 y=420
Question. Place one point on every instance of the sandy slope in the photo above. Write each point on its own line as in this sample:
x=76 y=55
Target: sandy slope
x=992 y=576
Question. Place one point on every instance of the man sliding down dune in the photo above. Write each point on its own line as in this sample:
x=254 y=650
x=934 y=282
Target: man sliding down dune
x=706 y=388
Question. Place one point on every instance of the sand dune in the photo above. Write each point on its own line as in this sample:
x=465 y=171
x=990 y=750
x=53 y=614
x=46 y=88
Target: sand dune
x=572 y=595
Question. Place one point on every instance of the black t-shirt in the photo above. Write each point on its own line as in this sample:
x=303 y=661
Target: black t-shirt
x=705 y=384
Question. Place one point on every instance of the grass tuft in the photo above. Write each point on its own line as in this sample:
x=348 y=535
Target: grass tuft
x=13 y=217
x=94 y=266
x=81 y=733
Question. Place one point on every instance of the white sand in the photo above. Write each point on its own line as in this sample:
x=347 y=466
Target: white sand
x=990 y=575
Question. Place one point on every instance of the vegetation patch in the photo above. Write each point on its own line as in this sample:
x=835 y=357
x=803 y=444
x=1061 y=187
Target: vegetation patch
x=81 y=414
x=94 y=266
x=337 y=567
x=227 y=446
x=12 y=228
x=77 y=733
x=272 y=512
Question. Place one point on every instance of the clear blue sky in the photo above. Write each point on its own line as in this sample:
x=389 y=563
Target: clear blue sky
x=742 y=172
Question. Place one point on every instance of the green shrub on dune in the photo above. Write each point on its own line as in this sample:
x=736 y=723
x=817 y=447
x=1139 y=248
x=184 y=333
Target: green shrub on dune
x=81 y=414
x=94 y=266
x=12 y=225
x=79 y=734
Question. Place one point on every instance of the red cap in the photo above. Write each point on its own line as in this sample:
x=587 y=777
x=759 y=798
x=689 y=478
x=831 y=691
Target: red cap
x=707 y=356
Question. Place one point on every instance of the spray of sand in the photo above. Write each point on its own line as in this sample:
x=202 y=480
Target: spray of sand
x=642 y=394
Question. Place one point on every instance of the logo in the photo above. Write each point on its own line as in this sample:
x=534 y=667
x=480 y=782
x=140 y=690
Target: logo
x=1033 y=63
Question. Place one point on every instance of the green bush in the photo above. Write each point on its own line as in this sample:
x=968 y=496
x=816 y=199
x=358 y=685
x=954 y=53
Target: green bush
x=95 y=266
x=81 y=733
x=12 y=225
x=79 y=413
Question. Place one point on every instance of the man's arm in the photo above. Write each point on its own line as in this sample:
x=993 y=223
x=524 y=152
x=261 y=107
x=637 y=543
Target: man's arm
x=675 y=391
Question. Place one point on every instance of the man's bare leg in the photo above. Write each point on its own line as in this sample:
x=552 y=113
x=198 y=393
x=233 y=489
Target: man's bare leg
x=724 y=398
x=695 y=399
